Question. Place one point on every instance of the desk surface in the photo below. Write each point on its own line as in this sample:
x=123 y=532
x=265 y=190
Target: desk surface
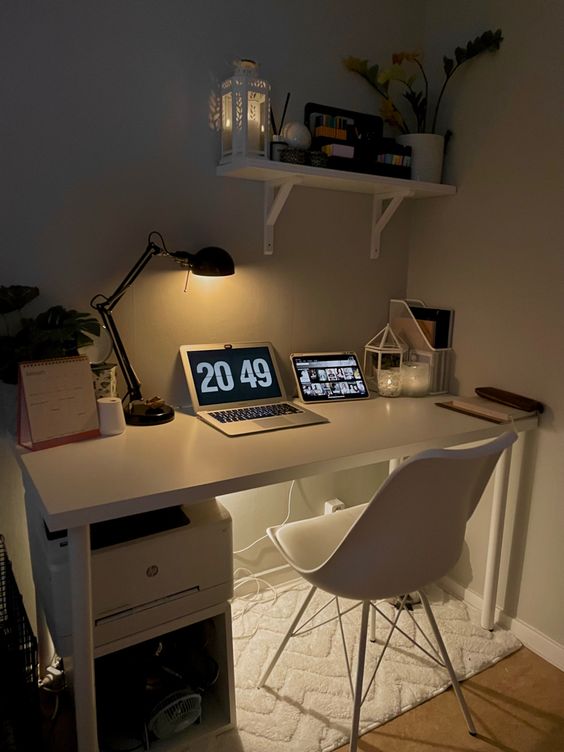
x=187 y=460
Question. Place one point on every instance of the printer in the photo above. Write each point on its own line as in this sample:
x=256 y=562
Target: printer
x=148 y=570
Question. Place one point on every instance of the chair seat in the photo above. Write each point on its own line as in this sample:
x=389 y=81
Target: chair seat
x=307 y=544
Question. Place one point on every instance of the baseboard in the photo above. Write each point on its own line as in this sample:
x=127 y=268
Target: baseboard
x=544 y=646
x=275 y=577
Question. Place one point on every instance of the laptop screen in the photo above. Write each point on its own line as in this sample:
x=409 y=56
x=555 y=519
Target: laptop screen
x=231 y=374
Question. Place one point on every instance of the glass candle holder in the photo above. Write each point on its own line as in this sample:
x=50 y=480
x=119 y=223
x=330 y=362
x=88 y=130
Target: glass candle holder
x=415 y=379
x=389 y=382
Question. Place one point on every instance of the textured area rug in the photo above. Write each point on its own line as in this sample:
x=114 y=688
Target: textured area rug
x=306 y=704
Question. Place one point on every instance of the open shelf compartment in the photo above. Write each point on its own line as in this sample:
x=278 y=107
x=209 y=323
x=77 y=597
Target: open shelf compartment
x=217 y=700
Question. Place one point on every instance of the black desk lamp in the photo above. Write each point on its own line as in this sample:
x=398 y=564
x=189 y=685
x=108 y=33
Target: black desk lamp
x=208 y=262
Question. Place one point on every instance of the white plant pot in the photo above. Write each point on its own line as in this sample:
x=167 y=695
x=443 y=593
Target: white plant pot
x=427 y=151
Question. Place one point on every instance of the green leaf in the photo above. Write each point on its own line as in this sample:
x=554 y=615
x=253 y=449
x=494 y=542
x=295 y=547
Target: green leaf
x=488 y=41
x=15 y=297
x=54 y=333
x=460 y=55
x=372 y=74
x=356 y=65
x=448 y=65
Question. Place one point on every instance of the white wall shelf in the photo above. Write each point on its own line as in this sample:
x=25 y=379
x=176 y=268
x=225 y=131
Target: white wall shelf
x=280 y=177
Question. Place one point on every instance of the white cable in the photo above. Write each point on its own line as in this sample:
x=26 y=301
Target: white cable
x=258 y=540
x=251 y=598
x=257 y=596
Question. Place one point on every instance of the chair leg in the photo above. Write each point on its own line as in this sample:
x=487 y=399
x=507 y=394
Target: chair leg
x=286 y=637
x=448 y=664
x=359 y=675
x=372 y=625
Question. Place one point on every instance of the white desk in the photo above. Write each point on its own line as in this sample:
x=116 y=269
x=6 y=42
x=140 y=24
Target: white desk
x=186 y=460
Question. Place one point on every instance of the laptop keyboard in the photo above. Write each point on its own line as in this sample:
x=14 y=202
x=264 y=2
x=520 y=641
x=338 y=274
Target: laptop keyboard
x=253 y=413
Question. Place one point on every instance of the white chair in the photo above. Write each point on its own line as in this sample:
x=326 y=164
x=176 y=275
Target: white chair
x=410 y=534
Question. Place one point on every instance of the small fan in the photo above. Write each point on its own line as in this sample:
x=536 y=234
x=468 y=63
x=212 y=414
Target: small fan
x=174 y=713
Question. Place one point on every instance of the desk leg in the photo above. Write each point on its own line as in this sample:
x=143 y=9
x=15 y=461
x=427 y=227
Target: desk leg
x=82 y=639
x=392 y=465
x=497 y=518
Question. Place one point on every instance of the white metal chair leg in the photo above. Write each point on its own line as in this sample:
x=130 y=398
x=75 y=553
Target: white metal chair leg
x=448 y=664
x=359 y=676
x=286 y=637
x=372 y=625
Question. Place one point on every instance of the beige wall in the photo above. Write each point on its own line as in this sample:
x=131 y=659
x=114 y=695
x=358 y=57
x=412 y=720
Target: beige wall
x=494 y=253
x=106 y=136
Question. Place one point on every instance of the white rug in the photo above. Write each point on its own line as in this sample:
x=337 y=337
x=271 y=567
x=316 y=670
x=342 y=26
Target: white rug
x=306 y=704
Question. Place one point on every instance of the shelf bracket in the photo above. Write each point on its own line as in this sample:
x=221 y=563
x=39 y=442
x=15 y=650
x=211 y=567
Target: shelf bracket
x=275 y=196
x=381 y=217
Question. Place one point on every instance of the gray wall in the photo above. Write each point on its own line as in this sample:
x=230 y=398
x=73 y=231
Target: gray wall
x=494 y=252
x=106 y=134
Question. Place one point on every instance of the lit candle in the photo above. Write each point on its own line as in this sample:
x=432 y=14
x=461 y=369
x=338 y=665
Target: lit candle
x=389 y=382
x=414 y=379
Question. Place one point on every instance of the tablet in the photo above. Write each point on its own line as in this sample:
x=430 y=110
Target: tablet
x=324 y=377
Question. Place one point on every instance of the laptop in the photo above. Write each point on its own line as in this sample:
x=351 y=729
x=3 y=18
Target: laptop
x=236 y=388
x=326 y=377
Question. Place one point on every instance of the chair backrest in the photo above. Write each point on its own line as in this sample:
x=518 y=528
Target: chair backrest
x=412 y=531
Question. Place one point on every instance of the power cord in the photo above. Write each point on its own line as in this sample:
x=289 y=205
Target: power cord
x=263 y=537
x=54 y=679
x=53 y=683
x=239 y=582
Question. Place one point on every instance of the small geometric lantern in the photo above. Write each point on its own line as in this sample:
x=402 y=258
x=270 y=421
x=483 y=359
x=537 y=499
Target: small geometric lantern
x=383 y=356
x=245 y=108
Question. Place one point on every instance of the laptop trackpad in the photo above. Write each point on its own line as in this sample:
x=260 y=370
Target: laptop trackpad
x=266 y=423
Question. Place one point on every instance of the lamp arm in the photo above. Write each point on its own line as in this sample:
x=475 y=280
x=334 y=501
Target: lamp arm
x=151 y=250
x=105 y=306
x=132 y=382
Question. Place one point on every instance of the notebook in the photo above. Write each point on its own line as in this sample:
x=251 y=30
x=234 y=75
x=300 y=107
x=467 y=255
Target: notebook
x=325 y=377
x=236 y=388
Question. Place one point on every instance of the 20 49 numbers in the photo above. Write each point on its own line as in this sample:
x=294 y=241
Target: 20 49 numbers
x=219 y=375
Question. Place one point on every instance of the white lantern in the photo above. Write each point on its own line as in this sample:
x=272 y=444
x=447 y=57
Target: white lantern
x=383 y=356
x=245 y=108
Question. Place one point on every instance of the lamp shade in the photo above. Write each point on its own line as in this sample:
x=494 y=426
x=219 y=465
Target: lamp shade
x=210 y=261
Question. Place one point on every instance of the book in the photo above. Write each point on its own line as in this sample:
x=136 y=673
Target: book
x=482 y=408
x=338 y=150
x=56 y=402
x=436 y=324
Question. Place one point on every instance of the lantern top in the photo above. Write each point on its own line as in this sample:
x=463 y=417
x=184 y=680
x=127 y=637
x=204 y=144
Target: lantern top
x=386 y=341
x=245 y=67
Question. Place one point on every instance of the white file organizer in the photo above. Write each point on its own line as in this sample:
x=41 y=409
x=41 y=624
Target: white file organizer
x=405 y=325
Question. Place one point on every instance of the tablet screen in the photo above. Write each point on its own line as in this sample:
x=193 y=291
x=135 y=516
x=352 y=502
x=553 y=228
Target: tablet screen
x=328 y=376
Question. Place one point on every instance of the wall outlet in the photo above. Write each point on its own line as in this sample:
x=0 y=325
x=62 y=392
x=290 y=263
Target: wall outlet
x=333 y=505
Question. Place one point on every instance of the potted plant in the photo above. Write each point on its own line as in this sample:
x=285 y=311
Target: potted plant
x=55 y=333
x=419 y=129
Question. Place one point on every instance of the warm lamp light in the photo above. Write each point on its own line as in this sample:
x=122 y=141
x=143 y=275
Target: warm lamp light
x=207 y=262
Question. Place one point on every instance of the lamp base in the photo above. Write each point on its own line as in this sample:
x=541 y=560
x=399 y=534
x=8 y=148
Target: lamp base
x=148 y=413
